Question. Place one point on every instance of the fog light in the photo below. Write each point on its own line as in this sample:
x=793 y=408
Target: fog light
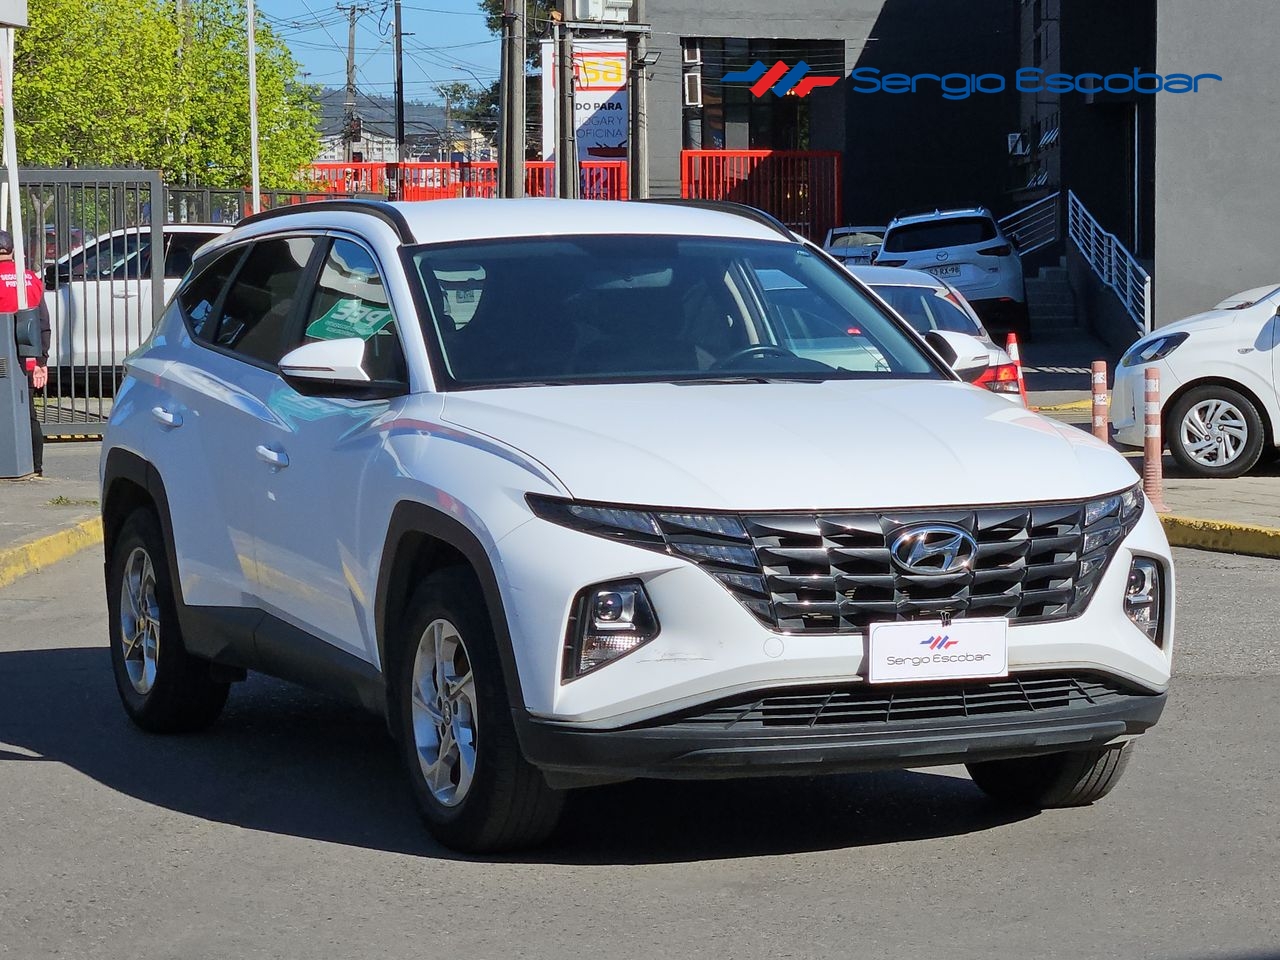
x=608 y=621
x=1143 y=597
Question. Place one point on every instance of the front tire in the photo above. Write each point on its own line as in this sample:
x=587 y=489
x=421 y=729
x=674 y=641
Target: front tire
x=1215 y=431
x=1074 y=779
x=163 y=688
x=474 y=788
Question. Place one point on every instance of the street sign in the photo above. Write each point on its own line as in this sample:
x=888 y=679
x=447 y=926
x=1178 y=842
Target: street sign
x=599 y=99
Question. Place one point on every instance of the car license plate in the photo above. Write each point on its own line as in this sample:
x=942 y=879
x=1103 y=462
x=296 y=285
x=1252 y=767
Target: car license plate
x=928 y=650
x=944 y=272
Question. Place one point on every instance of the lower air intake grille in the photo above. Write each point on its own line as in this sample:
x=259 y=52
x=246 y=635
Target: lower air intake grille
x=865 y=705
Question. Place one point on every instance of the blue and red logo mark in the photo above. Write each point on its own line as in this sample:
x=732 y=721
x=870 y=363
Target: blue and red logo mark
x=779 y=78
x=939 y=643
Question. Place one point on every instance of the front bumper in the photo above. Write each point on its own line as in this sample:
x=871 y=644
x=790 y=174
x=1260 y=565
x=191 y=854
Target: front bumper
x=1128 y=401
x=681 y=747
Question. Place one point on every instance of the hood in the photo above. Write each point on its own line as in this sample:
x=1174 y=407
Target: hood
x=1209 y=320
x=793 y=446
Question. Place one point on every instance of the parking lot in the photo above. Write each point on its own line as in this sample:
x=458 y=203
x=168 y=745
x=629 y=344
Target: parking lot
x=286 y=831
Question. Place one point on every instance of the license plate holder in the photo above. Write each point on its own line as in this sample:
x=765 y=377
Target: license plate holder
x=917 y=650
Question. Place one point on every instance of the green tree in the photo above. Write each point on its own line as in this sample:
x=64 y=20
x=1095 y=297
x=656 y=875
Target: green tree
x=213 y=149
x=93 y=84
x=123 y=83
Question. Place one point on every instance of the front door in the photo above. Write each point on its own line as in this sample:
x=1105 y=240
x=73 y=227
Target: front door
x=318 y=548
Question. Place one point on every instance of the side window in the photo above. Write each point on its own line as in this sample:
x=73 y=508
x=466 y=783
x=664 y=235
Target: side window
x=181 y=248
x=124 y=255
x=350 y=301
x=199 y=297
x=255 y=314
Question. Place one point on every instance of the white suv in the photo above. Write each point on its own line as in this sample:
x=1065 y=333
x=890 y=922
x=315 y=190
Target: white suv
x=966 y=248
x=566 y=492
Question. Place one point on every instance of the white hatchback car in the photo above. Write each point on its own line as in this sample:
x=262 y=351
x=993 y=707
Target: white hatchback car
x=606 y=517
x=928 y=303
x=854 y=245
x=1218 y=376
x=100 y=295
x=966 y=248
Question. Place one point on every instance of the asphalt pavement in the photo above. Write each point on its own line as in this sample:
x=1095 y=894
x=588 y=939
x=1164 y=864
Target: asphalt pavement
x=286 y=830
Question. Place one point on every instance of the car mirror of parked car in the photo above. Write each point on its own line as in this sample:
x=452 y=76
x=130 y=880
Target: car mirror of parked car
x=967 y=356
x=335 y=367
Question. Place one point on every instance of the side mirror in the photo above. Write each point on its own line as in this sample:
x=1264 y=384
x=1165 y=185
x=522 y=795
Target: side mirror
x=327 y=362
x=335 y=368
x=966 y=355
x=51 y=277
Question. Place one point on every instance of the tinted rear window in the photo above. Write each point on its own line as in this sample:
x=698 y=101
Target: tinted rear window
x=939 y=233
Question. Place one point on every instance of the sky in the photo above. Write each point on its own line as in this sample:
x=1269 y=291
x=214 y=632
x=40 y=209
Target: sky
x=443 y=40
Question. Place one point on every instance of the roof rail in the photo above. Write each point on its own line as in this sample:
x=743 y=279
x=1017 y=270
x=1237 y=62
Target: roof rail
x=381 y=209
x=936 y=210
x=726 y=206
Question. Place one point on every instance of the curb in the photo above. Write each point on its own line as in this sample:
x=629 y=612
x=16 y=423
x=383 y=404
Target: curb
x=1221 y=536
x=25 y=558
x=1065 y=407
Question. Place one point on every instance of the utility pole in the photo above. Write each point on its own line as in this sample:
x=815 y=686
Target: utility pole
x=349 y=108
x=399 y=90
x=639 y=133
x=253 y=110
x=511 y=101
x=566 y=141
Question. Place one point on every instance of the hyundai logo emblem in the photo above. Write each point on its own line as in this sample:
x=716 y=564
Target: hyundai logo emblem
x=942 y=255
x=933 y=550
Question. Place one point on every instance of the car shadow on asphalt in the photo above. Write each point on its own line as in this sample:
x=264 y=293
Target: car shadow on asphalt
x=284 y=760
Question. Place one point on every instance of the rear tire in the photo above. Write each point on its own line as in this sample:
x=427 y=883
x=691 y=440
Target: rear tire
x=1073 y=779
x=474 y=788
x=163 y=688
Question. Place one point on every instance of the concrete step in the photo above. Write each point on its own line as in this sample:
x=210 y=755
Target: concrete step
x=1053 y=323
x=1047 y=299
x=1051 y=311
x=1053 y=274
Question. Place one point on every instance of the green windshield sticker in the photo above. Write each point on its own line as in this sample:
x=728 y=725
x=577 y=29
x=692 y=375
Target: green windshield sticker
x=349 y=318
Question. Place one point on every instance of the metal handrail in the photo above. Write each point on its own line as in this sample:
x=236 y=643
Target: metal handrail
x=1111 y=261
x=1036 y=225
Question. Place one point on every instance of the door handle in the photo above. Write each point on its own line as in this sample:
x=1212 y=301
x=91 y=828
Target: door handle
x=125 y=295
x=277 y=458
x=166 y=417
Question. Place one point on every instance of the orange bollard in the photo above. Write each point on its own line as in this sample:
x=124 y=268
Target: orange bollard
x=1100 y=401
x=1011 y=348
x=1153 y=443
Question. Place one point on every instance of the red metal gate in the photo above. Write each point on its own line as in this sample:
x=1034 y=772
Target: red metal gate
x=799 y=187
x=601 y=179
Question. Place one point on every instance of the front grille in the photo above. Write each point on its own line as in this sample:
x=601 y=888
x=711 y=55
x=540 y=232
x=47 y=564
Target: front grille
x=867 y=705
x=832 y=572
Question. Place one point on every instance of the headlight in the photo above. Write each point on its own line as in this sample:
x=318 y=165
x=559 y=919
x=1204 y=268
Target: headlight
x=1107 y=521
x=1148 y=351
x=1144 y=597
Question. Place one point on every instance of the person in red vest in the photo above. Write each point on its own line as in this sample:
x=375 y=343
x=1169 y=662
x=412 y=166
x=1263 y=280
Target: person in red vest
x=9 y=304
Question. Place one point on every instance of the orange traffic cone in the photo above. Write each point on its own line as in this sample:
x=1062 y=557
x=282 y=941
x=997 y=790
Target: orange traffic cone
x=1011 y=348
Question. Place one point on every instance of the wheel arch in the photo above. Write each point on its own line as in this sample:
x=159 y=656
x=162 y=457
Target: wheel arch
x=1268 y=428
x=129 y=482
x=420 y=541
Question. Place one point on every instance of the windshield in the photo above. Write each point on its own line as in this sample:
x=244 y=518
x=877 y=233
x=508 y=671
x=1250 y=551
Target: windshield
x=652 y=308
x=926 y=308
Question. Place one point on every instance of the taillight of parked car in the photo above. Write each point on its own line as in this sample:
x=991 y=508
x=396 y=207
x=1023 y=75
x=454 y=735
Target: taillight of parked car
x=1001 y=251
x=1002 y=378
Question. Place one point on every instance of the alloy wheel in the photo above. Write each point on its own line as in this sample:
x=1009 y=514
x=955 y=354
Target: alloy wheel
x=1214 y=432
x=140 y=621
x=444 y=712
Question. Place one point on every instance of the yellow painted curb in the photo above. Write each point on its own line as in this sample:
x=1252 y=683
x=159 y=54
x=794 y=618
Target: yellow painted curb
x=1221 y=536
x=16 y=562
x=1064 y=407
